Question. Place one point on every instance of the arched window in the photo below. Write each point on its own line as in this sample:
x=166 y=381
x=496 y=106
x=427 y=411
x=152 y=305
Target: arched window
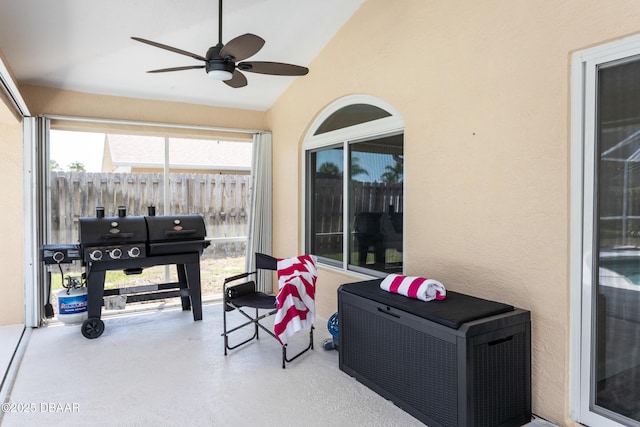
x=354 y=186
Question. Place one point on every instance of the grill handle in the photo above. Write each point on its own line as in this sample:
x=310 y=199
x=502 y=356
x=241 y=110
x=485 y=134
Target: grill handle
x=116 y=236
x=178 y=232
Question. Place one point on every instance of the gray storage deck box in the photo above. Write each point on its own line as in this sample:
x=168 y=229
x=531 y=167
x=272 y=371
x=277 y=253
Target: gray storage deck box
x=463 y=361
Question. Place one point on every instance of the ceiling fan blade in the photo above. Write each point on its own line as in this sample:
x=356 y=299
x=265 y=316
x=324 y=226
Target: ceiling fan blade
x=238 y=80
x=273 y=68
x=242 y=47
x=170 y=48
x=186 y=67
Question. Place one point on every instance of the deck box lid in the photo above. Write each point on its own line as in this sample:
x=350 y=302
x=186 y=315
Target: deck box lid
x=452 y=312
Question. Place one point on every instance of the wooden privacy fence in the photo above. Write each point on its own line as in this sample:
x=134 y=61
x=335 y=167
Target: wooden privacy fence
x=223 y=200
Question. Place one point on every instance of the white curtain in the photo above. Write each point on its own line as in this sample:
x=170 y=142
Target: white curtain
x=260 y=217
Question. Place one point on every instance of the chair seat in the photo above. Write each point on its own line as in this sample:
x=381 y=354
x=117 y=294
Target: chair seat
x=255 y=300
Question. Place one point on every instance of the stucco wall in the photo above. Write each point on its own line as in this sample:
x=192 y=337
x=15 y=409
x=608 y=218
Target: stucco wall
x=11 y=271
x=484 y=90
x=43 y=100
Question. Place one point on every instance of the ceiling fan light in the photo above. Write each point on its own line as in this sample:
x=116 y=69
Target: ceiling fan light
x=220 y=74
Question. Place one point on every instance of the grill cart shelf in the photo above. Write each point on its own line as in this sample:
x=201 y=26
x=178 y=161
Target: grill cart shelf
x=187 y=287
x=463 y=361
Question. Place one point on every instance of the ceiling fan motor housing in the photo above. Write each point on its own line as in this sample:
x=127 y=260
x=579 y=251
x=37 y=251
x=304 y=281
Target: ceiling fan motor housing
x=219 y=65
x=215 y=62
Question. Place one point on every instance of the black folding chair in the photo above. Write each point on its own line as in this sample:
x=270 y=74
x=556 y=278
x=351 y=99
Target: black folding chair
x=245 y=296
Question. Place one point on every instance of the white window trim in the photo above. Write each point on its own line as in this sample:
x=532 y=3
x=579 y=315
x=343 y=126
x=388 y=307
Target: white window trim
x=583 y=98
x=377 y=128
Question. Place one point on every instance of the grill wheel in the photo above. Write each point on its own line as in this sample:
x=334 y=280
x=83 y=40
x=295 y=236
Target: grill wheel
x=92 y=328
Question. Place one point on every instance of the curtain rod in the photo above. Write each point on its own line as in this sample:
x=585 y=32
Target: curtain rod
x=154 y=124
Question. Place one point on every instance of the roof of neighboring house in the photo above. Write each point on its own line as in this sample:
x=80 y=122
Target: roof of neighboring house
x=148 y=152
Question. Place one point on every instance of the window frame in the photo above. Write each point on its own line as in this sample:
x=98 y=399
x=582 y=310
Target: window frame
x=583 y=187
x=36 y=150
x=387 y=126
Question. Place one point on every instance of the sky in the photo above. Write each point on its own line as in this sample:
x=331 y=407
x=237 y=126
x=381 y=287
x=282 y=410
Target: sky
x=374 y=163
x=67 y=147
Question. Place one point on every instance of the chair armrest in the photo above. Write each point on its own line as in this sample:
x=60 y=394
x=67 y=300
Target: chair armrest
x=241 y=289
x=238 y=277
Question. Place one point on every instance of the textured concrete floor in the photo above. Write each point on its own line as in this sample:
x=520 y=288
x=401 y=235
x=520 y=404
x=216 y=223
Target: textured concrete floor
x=9 y=338
x=161 y=368
x=164 y=369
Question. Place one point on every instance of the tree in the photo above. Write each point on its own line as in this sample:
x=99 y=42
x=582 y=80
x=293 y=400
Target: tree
x=329 y=170
x=394 y=173
x=356 y=169
x=76 y=166
x=54 y=165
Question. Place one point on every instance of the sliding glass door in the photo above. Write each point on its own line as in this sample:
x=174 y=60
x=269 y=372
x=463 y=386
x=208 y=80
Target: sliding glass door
x=616 y=258
x=606 y=237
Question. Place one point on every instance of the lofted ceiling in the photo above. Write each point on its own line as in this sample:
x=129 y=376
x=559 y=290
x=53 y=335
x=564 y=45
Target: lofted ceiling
x=86 y=46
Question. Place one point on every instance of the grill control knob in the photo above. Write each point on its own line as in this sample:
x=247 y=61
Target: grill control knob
x=58 y=256
x=115 y=253
x=95 y=255
x=134 y=252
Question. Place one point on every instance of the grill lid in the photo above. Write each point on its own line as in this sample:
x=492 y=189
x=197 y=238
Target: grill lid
x=129 y=237
x=175 y=228
x=112 y=230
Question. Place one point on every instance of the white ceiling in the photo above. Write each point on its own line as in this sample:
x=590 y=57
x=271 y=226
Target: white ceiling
x=85 y=45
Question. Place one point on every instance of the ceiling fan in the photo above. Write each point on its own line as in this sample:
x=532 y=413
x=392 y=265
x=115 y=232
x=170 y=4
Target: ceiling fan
x=221 y=61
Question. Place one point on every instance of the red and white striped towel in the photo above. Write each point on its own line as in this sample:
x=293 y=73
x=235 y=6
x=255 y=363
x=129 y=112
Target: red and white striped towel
x=414 y=287
x=296 y=297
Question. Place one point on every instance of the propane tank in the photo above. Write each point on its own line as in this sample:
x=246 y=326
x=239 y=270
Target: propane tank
x=72 y=305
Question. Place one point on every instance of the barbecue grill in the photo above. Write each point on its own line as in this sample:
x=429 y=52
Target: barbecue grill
x=130 y=244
